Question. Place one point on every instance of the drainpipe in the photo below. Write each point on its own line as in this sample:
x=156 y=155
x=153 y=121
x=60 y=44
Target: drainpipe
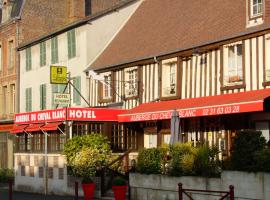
x=17 y=68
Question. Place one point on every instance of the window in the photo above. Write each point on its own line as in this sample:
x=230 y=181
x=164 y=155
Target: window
x=256 y=8
x=42 y=48
x=76 y=95
x=5 y=100
x=234 y=72
x=131 y=82
x=57 y=88
x=107 y=93
x=42 y=95
x=172 y=78
x=54 y=50
x=12 y=98
x=169 y=77
x=10 y=54
x=28 y=99
x=1 y=62
x=28 y=59
x=71 y=43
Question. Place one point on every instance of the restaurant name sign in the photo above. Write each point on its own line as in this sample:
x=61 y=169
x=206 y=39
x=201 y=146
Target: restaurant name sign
x=74 y=114
x=194 y=112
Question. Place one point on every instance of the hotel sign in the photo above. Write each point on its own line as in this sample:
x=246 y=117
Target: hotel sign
x=61 y=98
x=58 y=75
x=194 y=112
x=73 y=114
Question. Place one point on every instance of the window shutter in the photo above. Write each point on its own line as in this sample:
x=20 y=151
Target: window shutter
x=71 y=43
x=44 y=96
x=54 y=50
x=76 y=96
x=40 y=97
x=26 y=99
x=73 y=40
x=30 y=99
x=54 y=90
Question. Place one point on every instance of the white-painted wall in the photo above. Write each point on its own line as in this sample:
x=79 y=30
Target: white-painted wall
x=91 y=39
x=252 y=186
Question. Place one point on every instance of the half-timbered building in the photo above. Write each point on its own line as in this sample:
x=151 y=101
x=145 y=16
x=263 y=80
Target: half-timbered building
x=207 y=59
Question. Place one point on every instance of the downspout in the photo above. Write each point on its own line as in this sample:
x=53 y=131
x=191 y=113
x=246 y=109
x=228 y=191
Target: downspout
x=17 y=93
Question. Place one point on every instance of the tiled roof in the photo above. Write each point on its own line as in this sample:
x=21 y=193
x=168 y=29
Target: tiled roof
x=160 y=27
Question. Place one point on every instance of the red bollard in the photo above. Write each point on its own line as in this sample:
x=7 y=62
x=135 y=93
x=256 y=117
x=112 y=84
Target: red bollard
x=180 y=191
x=10 y=182
x=231 y=192
x=76 y=190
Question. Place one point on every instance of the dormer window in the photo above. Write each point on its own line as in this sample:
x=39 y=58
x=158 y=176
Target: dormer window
x=256 y=8
x=106 y=87
x=255 y=12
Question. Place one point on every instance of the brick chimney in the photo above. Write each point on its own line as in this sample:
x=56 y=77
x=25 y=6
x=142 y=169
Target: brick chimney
x=6 y=10
x=76 y=9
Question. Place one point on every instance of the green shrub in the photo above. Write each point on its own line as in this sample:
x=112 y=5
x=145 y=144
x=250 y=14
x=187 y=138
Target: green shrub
x=187 y=163
x=245 y=147
x=206 y=161
x=87 y=154
x=176 y=152
x=6 y=174
x=77 y=143
x=150 y=160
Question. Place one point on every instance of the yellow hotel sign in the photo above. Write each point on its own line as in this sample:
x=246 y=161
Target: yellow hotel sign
x=58 y=75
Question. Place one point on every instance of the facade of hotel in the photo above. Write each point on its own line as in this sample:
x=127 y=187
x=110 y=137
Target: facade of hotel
x=73 y=46
x=135 y=64
x=208 y=60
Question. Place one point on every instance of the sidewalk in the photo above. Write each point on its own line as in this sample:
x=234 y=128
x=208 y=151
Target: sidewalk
x=31 y=196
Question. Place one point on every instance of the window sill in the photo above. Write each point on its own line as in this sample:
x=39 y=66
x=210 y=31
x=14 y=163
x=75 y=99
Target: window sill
x=233 y=87
x=105 y=100
x=131 y=97
x=166 y=98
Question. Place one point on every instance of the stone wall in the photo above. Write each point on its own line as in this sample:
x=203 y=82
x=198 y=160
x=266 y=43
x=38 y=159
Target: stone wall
x=158 y=187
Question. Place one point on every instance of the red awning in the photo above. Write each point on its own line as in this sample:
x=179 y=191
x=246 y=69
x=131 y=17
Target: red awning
x=18 y=129
x=53 y=126
x=33 y=127
x=204 y=106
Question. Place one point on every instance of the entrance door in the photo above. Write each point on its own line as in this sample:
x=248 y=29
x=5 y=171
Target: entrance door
x=3 y=150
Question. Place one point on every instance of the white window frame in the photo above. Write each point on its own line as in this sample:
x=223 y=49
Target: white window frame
x=233 y=70
x=107 y=92
x=256 y=5
x=131 y=82
x=169 y=77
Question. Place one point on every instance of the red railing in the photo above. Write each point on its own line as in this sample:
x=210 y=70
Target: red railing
x=222 y=194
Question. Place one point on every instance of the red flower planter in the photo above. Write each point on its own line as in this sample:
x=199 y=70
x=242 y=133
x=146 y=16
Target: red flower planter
x=88 y=190
x=120 y=192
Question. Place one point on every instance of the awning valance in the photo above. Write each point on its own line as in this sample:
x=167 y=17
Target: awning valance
x=18 y=128
x=34 y=127
x=204 y=106
x=53 y=126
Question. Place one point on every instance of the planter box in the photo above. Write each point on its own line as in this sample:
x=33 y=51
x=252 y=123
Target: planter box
x=160 y=187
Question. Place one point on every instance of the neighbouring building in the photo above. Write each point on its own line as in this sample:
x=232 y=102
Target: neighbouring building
x=207 y=59
x=41 y=122
x=22 y=21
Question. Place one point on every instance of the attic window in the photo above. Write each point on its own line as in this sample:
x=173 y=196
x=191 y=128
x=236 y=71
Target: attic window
x=256 y=8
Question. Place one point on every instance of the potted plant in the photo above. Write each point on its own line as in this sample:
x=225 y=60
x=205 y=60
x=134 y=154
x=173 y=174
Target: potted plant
x=85 y=155
x=119 y=188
